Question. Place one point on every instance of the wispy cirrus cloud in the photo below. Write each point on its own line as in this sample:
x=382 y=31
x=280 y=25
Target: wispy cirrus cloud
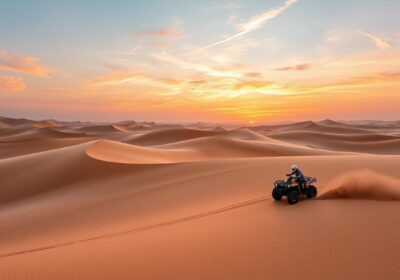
x=379 y=42
x=198 y=66
x=359 y=83
x=368 y=80
x=129 y=77
x=134 y=50
x=23 y=64
x=255 y=23
x=11 y=84
x=115 y=78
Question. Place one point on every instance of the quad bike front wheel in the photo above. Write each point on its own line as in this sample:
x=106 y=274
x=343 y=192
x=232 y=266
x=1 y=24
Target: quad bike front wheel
x=293 y=197
x=311 y=192
x=277 y=194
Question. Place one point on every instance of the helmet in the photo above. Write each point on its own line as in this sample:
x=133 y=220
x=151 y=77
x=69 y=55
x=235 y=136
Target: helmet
x=294 y=167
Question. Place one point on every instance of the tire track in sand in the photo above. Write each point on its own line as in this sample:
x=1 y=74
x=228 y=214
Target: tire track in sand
x=162 y=224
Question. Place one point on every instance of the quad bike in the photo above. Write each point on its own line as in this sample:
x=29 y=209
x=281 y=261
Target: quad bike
x=292 y=191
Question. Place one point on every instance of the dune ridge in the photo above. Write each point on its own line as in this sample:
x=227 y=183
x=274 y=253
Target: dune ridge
x=169 y=135
x=111 y=151
x=375 y=143
x=198 y=149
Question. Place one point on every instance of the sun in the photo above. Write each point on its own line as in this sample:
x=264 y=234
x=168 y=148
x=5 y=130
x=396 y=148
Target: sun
x=251 y=122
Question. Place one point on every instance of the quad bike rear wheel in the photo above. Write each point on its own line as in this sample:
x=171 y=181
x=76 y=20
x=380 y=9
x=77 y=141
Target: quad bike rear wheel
x=311 y=192
x=277 y=194
x=293 y=197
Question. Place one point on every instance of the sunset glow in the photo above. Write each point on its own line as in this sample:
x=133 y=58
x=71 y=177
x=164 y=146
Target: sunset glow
x=241 y=61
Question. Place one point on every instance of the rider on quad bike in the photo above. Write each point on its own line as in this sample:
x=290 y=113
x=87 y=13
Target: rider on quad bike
x=298 y=176
x=295 y=186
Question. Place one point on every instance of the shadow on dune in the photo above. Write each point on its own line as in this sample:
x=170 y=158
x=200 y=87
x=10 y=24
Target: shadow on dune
x=364 y=184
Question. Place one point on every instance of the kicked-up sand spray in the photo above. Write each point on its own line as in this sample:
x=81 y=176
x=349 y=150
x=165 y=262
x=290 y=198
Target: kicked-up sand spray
x=363 y=184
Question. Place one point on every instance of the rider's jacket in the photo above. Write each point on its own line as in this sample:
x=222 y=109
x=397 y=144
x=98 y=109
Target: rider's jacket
x=298 y=174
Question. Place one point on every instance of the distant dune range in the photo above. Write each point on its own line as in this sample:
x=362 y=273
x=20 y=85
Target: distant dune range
x=140 y=200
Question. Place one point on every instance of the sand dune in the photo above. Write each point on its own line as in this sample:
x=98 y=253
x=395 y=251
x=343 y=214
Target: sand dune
x=208 y=202
x=127 y=126
x=321 y=127
x=11 y=148
x=121 y=128
x=192 y=150
x=381 y=125
x=163 y=136
x=37 y=133
x=362 y=143
x=14 y=122
x=27 y=139
x=3 y=125
x=111 y=151
x=47 y=123
x=98 y=129
x=233 y=148
x=123 y=201
x=174 y=135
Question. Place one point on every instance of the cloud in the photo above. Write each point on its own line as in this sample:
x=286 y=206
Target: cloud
x=360 y=83
x=298 y=67
x=163 y=37
x=23 y=64
x=255 y=23
x=165 y=33
x=176 y=30
x=11 y=84
x=333 y=38
x=129 y=77
x=252 y=84
x=197 y=67
x=134 y=50
x=253 y=75
x=374 y=78
x=379 y=42
x=114 y=78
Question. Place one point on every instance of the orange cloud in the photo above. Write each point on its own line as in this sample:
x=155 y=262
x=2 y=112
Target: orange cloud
x=298 y=67
x=176 y=30
x=23 y=64
x=166 y=33
x=253 y=75
x=130 y=77
x=114 y=78
x=11 y=84
x=378 y=78
x=162 y=37
x=252 y=84
x=363 y=82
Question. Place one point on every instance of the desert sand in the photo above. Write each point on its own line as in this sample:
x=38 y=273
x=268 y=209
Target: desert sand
x=140 y=200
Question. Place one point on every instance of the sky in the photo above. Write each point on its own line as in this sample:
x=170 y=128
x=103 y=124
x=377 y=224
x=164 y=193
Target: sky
x=208 y=60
